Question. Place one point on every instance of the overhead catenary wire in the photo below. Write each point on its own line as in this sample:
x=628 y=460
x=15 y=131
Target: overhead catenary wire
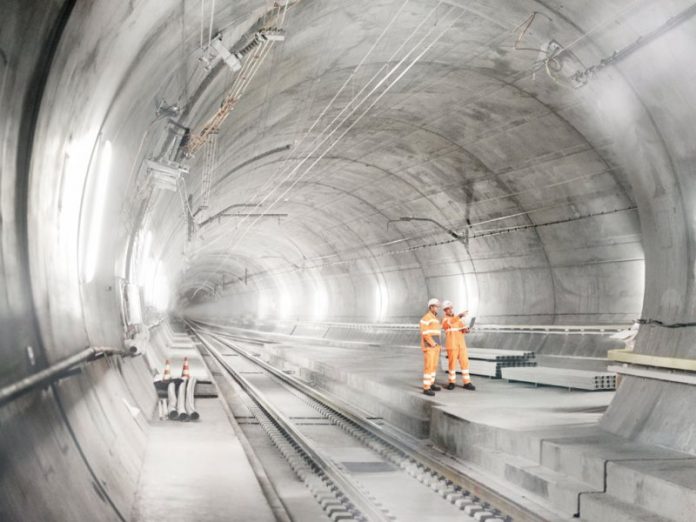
x=212 y=19
x=594 y=29
x=272 y=180
x=374 y=102
x=285 y=192
x=603 y=24
x=413 y=33
x=352 y=111
x=431 y=244
x=202 y=21
x=525 y=28
x=268 y=195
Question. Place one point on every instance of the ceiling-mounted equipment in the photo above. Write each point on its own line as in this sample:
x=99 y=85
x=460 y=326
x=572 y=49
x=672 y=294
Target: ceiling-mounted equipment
x=271 y=35
x=260 y=43
x=232 y=60
x=165 y=175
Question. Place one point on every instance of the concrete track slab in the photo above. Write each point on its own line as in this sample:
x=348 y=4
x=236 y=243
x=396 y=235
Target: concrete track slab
x=388 y=371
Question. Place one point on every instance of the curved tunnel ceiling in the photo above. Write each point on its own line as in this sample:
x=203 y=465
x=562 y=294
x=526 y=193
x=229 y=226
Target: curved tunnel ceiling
x=569 y=191
x=465 y=136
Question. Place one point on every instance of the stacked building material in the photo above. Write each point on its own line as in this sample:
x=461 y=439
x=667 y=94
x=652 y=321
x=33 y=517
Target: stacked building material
x=490 y=362
x=562 y=377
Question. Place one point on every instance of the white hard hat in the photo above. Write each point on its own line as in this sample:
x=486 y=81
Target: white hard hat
x=447 y=304
x=433 y=302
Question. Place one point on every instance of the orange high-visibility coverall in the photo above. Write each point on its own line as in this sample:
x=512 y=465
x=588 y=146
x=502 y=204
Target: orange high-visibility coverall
x=456 y=347
x=429 y=328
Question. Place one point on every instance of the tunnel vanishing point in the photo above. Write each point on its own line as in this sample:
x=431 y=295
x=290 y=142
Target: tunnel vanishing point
x=306 y=174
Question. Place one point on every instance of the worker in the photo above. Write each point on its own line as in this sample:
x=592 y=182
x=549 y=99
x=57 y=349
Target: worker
x=456 y=346
x=430 y=331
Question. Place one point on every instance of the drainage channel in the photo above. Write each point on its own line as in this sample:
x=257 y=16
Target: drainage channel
x=369 y=472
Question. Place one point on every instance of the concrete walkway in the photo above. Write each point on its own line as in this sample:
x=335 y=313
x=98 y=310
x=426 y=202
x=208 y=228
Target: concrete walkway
x=198 y=471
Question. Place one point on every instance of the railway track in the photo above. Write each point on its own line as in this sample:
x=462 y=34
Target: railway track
x=355 y=469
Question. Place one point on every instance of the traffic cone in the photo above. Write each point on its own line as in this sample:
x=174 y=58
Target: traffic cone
x=167 y=375
x=185 y=372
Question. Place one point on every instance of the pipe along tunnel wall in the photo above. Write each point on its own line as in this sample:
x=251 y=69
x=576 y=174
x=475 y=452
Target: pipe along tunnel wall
x=595 y=183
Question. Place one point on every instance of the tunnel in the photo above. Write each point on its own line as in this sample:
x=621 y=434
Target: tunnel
x=309 y=173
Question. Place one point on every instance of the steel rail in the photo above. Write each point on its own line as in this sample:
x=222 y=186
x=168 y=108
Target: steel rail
x=364 y=505
x=429 y=463
x=54 y=372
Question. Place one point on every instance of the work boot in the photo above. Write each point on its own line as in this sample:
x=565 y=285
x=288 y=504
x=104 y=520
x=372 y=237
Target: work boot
x=469 y=386
x=435 y=387
x=450 y=386
x=430 y=393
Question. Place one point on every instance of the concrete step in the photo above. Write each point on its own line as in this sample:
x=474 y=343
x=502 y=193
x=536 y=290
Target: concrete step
x=585 y=456
x=670 y=484
x=556 y=491
x=600 y=507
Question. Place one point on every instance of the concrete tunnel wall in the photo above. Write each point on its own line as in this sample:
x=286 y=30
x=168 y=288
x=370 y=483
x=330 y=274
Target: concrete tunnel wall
x=468 y=134
x=73 y=450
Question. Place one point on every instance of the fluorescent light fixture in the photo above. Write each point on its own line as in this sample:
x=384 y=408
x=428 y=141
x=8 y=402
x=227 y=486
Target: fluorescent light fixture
x=230 y=59
x=98 y=211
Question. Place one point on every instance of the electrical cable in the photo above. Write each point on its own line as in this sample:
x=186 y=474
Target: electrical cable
x=602 y=24
x=657 y=322
x=303 y=160
x=348 y=105
x=244 y=233
x=432 y=244
x=295 y=182
x=527 y=24
x=283 y=168
x=202 y=21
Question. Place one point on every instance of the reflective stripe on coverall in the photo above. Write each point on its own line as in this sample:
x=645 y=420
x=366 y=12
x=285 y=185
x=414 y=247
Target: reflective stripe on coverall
x=429 y=328
x=456 y=347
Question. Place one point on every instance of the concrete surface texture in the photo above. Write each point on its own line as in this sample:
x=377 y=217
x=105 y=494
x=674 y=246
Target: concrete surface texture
x=550 y=196
x=198 y=471
x=541 y=445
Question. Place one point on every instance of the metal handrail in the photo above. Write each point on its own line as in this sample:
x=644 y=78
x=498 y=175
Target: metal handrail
x=523 y=328
x=53 y=372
